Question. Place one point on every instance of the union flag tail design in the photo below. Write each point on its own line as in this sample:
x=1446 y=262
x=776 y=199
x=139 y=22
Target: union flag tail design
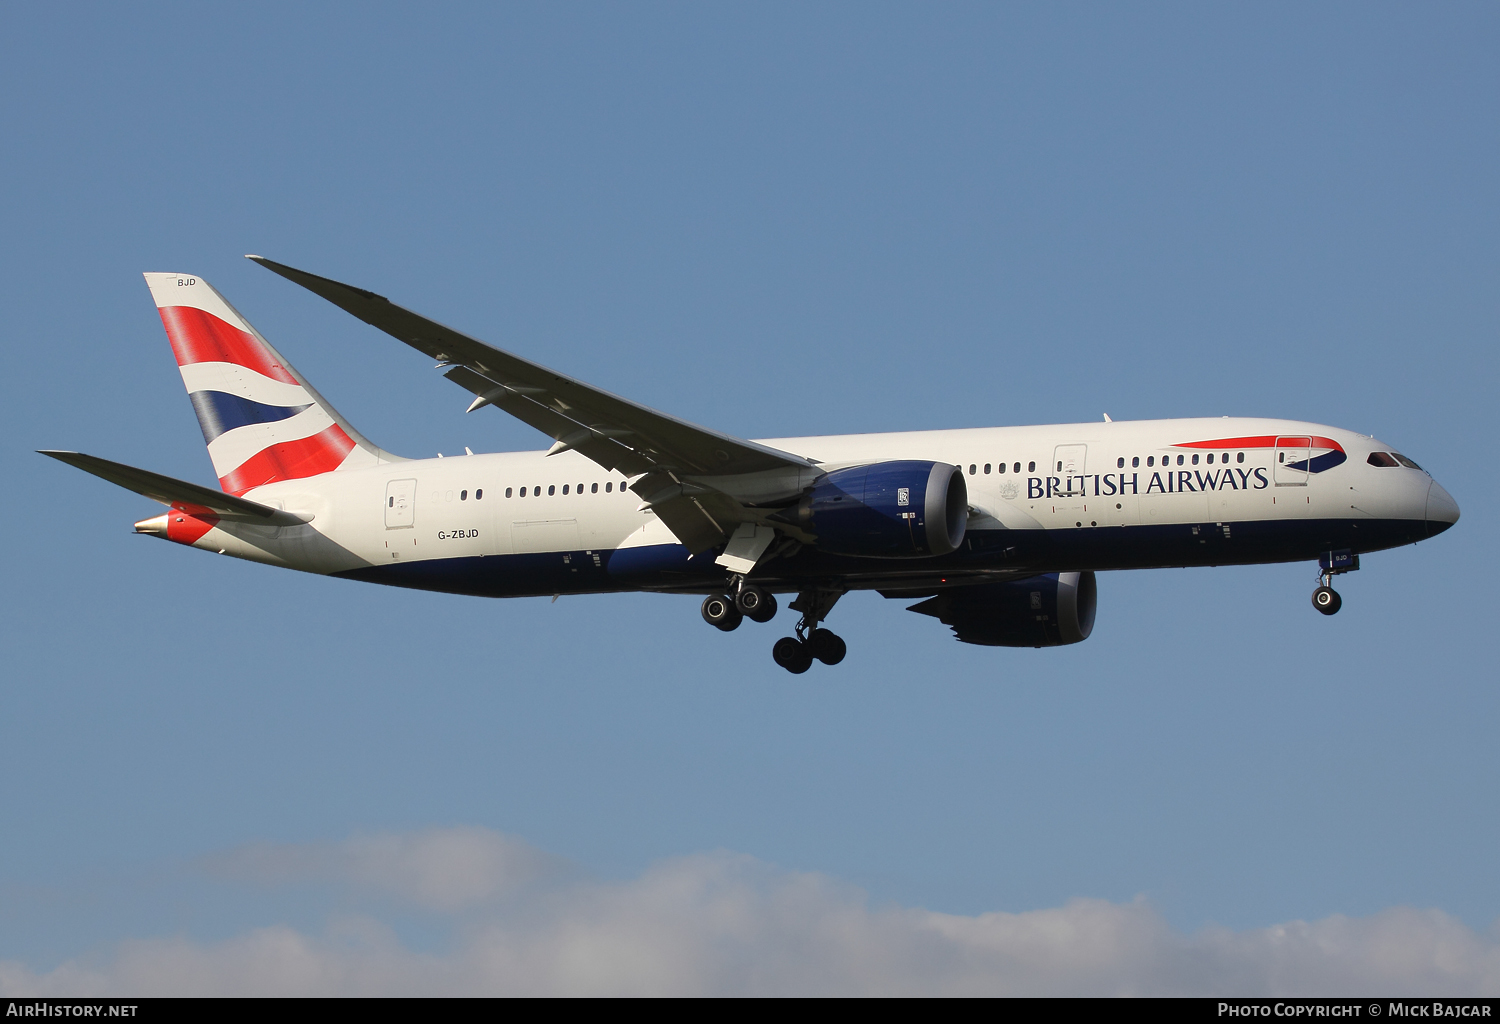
x=262 y=421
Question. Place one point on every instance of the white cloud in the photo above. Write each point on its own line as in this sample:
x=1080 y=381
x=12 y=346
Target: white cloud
x=438 y=869
x=728 y=924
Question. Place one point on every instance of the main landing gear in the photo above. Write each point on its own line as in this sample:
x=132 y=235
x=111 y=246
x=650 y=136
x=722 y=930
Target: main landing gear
x=797 y=653
x=1333 y=563
x=794 y=653
x=744 y=601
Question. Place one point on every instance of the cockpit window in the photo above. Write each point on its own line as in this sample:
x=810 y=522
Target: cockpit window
x=1407 y=462
x=1382 y=459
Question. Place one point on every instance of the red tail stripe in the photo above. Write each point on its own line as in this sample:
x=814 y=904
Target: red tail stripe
x=323 y=452
x=1264 y=441
x=201 y=337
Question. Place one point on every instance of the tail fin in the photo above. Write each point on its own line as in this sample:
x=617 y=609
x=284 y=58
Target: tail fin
x=262 y=421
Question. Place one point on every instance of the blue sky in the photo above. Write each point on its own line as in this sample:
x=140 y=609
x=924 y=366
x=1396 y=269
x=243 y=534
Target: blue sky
x=775 y=220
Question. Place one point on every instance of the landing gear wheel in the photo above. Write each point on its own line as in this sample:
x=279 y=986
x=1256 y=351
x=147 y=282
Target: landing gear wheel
x=755 y=604
x=792 y=654
x=1326 y=600
x=720 y=612
x=827 y=646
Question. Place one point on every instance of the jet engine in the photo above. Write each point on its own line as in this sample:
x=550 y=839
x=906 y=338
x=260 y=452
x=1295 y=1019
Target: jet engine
x=1043 y=611
x=887 y=510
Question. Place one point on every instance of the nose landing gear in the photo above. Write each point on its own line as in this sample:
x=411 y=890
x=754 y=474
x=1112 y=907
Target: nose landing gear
x=1326 y=600
x=1332 y=563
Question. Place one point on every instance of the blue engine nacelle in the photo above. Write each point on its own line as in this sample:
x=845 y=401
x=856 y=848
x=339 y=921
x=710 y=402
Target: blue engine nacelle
x=1043 y=611
x=888 y=510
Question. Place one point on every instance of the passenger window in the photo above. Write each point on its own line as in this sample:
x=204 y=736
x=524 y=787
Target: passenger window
x=1000 y=468
x=1210 y=458
x=1059 y=467
x=1383 y=460
x=551 y=490
x=1195 y=459
x=507 y=492
x=580 y=489
x=391 y=501
x=1179 y=459
x=1150 y=461
x=1224 y=458
x=565 y=488
x=536 y=492
x=1281 y=456
x=986 y=469
x=1030 y=467
x=1135 y=463
x=463 y=495
x=609 y=486
x=1120 y=462
x=1240 y=457
x=593 y=488
x=1407 y=462
x=479 y=494
x=973 y=469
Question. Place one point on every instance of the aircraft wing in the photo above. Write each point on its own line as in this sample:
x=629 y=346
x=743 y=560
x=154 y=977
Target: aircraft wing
x=614 y=432
x=177 y=493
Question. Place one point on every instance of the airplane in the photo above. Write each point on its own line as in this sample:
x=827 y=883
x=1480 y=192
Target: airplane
x=996 y=532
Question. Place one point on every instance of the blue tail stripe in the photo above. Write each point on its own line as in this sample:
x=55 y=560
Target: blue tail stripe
x=219 y=413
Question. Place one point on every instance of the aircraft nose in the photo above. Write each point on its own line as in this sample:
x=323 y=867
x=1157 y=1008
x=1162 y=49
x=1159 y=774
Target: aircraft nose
x=1442 y=510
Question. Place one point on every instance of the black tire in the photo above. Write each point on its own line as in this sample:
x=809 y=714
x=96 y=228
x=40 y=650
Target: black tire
x=1327 y=600
x=828 y=647
x=792 y=655
x=757 y=605
x=748 y=600
x=720 y=612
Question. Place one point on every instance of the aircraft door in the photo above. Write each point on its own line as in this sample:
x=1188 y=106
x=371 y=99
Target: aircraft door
x=1068 y=489
x=1070 y=463
x=400 y=504
x=1293 y=455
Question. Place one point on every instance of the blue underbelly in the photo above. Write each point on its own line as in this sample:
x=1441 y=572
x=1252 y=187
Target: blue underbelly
x=669 y=567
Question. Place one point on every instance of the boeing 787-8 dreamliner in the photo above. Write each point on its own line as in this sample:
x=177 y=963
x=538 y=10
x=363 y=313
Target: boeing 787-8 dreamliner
x=998 y=531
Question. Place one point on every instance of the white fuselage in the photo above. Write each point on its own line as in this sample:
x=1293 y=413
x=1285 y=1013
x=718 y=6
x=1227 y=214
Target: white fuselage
x=1095 y=493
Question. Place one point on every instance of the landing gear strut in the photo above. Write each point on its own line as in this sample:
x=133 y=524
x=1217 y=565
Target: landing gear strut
x=796 y=653
x=1332 y=563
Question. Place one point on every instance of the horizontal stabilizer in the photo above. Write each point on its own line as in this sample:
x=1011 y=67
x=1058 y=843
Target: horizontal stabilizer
x=179 y=494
